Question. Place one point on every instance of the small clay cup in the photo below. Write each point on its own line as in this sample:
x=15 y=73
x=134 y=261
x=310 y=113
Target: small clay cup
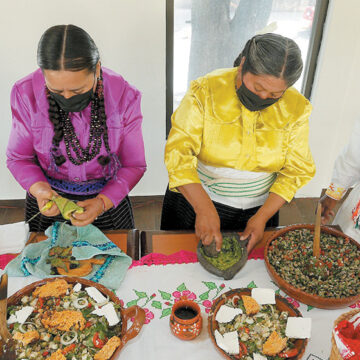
x=186 y=329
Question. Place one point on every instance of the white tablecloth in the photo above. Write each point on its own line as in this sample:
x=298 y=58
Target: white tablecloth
x=156 y=287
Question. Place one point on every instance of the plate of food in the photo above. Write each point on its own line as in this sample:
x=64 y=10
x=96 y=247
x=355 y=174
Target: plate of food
x=70 y=318
x=331 y=281
x=257 y=324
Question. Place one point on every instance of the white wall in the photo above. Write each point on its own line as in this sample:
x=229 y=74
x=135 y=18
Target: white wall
x=131 y=38
x=130 y=35
x=336 y=91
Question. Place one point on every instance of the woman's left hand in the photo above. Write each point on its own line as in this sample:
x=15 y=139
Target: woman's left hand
x=255 y=229
x=92 y=209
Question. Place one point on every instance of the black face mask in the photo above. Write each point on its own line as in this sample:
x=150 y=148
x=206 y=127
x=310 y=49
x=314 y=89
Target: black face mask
x=251 y=101
x=75 y=103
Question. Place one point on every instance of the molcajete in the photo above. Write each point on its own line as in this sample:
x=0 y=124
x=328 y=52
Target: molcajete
x=231 y=258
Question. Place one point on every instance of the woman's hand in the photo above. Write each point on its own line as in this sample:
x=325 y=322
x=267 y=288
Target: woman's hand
x=207 y=227
x=256 y=224
x=207 y=223
x=43 y=193
x=92 y=209
x=255 y=229
x=327 y=206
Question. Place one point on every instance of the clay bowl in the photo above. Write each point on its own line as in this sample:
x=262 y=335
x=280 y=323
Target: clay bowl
x=281 y=304
x=135 y=311
x=230 y=272
x=300 y=295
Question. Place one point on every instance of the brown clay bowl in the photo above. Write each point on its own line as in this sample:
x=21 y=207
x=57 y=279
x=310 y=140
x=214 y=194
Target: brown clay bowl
x=135 y=311
x=281 y=304
x=300 y=295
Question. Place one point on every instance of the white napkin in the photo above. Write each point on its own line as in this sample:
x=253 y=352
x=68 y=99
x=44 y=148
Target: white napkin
x=13 y=237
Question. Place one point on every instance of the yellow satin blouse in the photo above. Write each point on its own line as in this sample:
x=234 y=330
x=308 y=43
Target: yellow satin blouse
x=212 y=125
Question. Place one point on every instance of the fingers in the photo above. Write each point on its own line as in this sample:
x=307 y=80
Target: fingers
x=326 y=216
x=245 y=234
x=218 y=240
x=77 y=222
x=252 y=242
x=207 y=239
x=83 y=216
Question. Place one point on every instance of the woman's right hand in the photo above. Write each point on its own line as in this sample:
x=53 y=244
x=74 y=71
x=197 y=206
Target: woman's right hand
x=43 y=193
x=207 y=227
x=327 y=206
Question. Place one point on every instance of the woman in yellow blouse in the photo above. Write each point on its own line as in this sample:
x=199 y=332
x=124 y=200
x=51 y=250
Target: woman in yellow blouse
x=238 y=146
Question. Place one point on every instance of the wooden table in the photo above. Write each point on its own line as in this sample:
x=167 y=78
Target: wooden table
x=169 y=242
x=126 y=240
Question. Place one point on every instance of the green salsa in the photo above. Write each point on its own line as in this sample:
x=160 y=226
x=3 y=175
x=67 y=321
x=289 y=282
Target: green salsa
x=231 y=252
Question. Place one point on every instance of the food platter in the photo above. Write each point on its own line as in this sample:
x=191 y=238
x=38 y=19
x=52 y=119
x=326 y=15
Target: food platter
x=90 y=328
x=282 y=305
x=331 y=265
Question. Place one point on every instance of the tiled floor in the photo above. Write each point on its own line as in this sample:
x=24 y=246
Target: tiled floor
x=147 y=211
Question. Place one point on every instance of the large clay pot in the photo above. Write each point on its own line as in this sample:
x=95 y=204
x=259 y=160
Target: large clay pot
x=300 y=295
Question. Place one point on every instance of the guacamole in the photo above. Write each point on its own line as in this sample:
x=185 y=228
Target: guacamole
x=231 y=252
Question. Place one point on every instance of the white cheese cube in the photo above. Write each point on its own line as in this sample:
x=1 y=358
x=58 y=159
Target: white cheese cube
x=231 y=339
x=257 y=356
x=229 y=342
x=20 y=315
x=263 y=296
x=298 y=327
x=109 y=312
x=77 y=287
x=95 y=294
x=226 y=314
x=12 y=319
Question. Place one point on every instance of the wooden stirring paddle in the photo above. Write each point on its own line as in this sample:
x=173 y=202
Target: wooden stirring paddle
x=316 y=246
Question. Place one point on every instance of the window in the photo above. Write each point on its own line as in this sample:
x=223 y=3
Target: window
x=204 y=35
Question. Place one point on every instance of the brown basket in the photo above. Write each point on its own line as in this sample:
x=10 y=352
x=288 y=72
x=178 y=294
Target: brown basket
x=335 y=354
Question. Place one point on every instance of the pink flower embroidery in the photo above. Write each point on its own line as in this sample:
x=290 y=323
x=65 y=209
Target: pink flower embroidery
x=122 y=303
x=208 y=305
x=356 y=305
x=186 y=294
x=149 y=315
x=293 y=302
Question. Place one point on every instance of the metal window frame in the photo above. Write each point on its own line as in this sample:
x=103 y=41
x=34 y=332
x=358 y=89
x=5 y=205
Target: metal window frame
x=309 y=68
x=314 y=46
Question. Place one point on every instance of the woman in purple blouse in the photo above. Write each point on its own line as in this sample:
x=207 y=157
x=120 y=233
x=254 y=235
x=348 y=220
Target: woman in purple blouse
x=76 y=132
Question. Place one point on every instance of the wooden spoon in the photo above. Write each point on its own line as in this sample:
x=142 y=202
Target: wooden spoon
x=7 y=351
x=316 y=246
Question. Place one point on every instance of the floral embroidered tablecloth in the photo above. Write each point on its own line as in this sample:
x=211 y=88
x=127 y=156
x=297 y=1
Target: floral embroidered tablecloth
x=155 y=288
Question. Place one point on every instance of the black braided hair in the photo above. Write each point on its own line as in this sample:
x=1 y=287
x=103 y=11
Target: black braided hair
x=272 y=54
x=68 y=47
x=103 y=160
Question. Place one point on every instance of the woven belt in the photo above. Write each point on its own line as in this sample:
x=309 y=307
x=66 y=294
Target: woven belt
x=78 y=188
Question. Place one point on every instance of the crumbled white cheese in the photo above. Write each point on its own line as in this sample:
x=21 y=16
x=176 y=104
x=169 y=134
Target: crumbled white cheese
x=20 y=315
x=298 y=327
x=263 y=296
x=109 y=312
x=95 y=294
x=229 y=342
x=226 y=314
x=77 y=287
x=257 y=356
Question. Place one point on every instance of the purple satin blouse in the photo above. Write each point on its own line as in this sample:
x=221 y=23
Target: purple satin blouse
x=32 y=133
